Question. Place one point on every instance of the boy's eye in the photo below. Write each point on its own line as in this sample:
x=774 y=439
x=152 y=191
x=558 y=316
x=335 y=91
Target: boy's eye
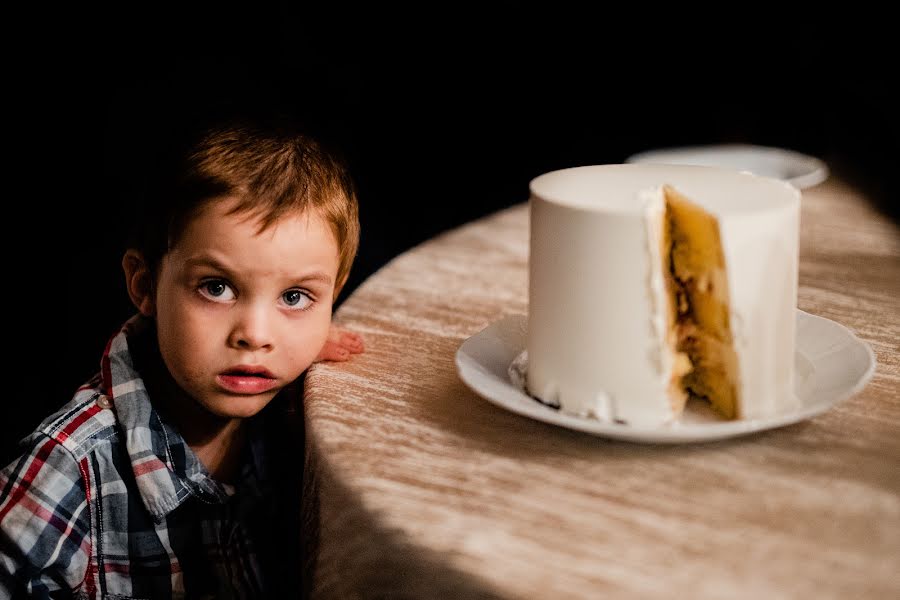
x=216 y=290
x=296 y=299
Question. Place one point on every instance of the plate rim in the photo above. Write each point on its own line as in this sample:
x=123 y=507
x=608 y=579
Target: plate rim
x=669 y=433
x=818 y=171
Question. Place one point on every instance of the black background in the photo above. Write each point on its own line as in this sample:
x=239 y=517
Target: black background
x=443 y=114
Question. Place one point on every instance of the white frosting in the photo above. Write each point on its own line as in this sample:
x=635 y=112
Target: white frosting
x=599 y=407
x=597 y=297
x=654 y=206
x=518 y=370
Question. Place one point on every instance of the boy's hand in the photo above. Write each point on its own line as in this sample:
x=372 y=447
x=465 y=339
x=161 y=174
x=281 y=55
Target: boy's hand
x=340 y=345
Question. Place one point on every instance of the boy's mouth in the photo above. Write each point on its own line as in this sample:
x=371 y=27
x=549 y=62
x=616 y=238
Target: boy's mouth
x=247 y=379
x=249 y=371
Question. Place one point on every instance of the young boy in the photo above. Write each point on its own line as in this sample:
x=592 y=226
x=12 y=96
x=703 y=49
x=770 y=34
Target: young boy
x=156 y=480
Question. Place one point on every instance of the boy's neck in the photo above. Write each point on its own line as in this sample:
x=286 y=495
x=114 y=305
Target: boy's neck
x=220 y=449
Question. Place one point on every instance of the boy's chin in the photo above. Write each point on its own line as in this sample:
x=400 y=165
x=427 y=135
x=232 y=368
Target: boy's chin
x=237 y=407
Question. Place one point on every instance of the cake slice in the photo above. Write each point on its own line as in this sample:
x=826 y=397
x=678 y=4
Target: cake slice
x=698 y=332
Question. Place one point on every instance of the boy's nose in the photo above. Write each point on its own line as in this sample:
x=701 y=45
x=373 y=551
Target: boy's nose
x=252 y=330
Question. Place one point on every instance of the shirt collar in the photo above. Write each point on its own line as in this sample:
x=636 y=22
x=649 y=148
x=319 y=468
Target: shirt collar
x=166 y=470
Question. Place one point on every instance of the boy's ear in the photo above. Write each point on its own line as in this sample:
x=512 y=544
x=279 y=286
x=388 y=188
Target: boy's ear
x=139 y=282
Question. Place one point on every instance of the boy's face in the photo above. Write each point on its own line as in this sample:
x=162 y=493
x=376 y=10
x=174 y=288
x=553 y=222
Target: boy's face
x=241 y=314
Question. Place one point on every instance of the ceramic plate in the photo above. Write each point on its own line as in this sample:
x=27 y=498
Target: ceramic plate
x=798 y=169
x=831 y=364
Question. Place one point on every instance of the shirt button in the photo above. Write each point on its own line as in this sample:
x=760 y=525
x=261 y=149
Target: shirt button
x=104 y=401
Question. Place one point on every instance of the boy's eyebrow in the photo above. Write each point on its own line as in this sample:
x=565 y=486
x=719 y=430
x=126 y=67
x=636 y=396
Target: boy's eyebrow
x=317 y=276
x=208 y=261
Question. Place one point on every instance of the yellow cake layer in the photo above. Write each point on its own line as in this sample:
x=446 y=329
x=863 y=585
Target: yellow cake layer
x=697 y=308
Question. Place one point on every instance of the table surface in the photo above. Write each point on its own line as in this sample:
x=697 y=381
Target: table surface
x=418 y=487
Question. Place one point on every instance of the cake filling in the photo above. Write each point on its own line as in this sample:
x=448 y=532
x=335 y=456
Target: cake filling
x=698 y=330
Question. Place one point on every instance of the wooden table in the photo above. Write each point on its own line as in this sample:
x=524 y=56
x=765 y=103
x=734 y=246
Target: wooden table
x=426 y=490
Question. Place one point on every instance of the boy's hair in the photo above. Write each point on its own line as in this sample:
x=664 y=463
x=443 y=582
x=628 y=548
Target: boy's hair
x=271 y=171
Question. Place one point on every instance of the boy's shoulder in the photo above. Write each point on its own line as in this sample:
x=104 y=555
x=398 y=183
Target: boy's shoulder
x=78 y=425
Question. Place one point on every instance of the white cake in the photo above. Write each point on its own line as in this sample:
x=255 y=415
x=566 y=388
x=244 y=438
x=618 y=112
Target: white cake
x=651 y=283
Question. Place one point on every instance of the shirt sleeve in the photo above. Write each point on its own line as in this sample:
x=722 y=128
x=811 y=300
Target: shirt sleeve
x=45 y=530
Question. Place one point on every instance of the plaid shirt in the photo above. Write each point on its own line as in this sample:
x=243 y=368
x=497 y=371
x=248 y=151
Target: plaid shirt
x=109 y=501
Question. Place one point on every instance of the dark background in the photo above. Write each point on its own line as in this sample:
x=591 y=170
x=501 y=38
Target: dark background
x=443 y=115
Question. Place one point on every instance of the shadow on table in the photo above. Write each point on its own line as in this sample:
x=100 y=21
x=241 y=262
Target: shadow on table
x=347 y=554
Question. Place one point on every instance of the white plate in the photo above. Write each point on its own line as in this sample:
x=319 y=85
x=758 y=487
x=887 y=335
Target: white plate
x=800 y=170
x=832 y=364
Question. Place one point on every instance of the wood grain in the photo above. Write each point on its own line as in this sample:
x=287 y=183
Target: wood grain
x=425 y=489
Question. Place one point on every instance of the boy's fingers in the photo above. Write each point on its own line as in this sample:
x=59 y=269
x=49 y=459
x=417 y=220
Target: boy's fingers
x=349 y=341
x=352 y=341
x=333 y=351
